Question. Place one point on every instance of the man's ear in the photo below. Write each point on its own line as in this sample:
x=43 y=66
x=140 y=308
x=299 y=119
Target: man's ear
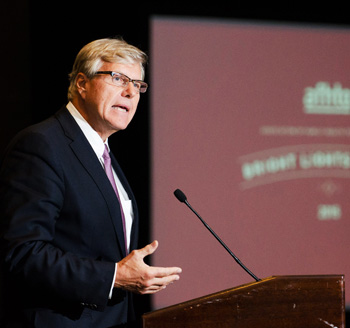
x=81 y=82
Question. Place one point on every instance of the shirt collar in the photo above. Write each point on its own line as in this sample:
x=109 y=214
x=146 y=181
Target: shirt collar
x=91 y=135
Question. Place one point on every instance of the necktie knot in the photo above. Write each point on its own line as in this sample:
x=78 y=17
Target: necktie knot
x=105 y=155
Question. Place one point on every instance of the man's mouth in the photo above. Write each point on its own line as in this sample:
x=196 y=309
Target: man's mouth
x=121 y=108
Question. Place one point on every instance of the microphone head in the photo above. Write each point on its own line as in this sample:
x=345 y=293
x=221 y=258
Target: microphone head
x=180 y=195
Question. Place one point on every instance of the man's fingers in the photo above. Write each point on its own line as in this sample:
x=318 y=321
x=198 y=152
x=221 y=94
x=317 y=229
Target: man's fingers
x=164 y=281
x=157 y=284
x=152 y=290
x=160 y=272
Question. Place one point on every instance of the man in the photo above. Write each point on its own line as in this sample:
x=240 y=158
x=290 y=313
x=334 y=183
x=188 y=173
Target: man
x=68 y=244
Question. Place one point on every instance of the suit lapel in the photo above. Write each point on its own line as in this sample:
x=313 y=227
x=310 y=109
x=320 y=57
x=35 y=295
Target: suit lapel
x=88 y=159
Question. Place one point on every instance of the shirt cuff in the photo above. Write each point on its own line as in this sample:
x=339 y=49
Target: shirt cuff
x=111 y=291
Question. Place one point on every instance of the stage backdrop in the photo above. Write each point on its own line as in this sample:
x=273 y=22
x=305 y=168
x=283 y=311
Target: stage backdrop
x=251 y=122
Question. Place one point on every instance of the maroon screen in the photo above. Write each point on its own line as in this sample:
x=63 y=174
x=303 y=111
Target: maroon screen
x=251 y=122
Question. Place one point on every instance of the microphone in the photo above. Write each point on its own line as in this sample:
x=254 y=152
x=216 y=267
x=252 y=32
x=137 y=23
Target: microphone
x=183 y=199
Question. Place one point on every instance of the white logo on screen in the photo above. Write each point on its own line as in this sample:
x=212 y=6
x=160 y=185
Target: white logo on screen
x=329 y=212
x=327 y=100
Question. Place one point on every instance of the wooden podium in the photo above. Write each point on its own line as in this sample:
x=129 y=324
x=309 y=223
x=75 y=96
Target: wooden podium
x=278 y=301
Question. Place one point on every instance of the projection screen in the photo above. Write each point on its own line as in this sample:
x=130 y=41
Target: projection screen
x=251 y=121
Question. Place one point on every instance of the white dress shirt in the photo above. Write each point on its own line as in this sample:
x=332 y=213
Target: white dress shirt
x=98 y=146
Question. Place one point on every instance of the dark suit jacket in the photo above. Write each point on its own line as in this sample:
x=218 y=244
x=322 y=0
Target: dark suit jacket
x=61 y=230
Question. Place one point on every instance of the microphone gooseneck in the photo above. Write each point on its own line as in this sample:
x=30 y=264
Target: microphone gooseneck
x=183 y=199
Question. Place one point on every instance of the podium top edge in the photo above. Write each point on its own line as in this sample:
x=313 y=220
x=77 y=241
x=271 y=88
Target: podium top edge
x=267 y=280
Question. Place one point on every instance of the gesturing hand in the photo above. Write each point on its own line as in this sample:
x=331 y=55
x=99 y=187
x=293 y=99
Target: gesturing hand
x=135 y=275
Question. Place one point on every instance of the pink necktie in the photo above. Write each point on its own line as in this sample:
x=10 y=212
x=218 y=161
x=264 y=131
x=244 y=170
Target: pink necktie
x=109 y=172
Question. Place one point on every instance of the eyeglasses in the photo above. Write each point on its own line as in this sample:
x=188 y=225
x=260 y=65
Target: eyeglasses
x=121 y=80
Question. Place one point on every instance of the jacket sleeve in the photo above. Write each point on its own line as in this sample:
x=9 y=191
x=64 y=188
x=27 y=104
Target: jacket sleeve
x=32 y=192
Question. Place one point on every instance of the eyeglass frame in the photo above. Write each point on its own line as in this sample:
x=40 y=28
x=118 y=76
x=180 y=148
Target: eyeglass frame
x=111 y=73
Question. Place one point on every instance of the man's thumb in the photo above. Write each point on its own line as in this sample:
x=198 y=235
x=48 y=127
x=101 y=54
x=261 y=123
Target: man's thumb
x=150 y=248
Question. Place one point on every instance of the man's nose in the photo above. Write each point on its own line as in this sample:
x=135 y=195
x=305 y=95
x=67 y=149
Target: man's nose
x=130 y=90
